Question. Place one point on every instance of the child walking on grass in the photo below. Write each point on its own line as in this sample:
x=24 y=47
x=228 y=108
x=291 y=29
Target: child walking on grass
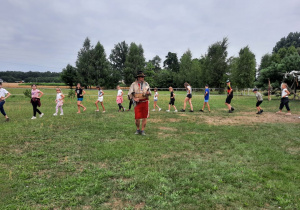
x=188 y=97
x=120 y=99
x=4 y=94
x=284 y=100
x=79 y=92
x=59 y=101
x=259 y=101
x=206 y=99
x=100 y=99
x=36 y=101
x=155 y=100
x=172 y=100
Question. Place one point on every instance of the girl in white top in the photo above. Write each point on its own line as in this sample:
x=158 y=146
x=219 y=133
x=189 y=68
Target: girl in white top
x=59 y=101
x=284 y=99
x=4 y=94
x=155 y=100
x=100 y=99
x=188 y=97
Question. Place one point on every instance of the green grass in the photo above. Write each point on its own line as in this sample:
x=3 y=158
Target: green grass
x=94 y=160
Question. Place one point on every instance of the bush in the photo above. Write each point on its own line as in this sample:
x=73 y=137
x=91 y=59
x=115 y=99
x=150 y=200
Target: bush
x=71 y=94
x=27 y=93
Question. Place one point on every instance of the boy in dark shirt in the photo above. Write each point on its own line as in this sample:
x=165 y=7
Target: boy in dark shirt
x=172 y=100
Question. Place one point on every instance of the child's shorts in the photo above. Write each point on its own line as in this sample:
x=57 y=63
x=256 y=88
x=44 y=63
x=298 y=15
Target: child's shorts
x=79 y=99
x=156 y=99
x=258 y=103
x=189 y=95
x=206 y=101
x=100 y=99
x=172 y=101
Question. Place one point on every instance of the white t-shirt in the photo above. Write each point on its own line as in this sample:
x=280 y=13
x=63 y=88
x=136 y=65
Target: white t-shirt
x=58 y=96
x=120 y=93
x=155 y=95
x=3 y=92
x=283 y=93
x=189 y=89
x=100 y=93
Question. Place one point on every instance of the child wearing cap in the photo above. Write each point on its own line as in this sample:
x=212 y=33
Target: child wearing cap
x=259 y=101
x=206 y=99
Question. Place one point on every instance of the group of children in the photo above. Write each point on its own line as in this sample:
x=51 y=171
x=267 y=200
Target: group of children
x=79 y=92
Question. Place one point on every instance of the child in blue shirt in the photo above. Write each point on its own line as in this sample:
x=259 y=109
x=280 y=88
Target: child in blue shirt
x=206 y=98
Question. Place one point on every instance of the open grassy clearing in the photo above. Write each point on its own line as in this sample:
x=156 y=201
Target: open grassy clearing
x=187 y=160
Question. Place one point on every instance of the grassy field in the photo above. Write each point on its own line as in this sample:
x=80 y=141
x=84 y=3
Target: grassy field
x=186 y=160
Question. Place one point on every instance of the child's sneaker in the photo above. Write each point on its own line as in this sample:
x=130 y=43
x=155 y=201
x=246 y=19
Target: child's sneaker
x=183 y=110
x=176 y=110
x=201 y=110
x=55 y=114
x=143 y=133
x=191 y=110
x=229 y=111
x=6 y=120
x=41 y=115
x=33 y=118
x=137 y=132
x=159 y=109
x=287 y=114
x=167 y=110
x=61 y=114
x=153 y=110
x=123 y=109
x=261 y=111
x=104 y=111
x=96 y=110
x=279 y=112
x=232 y=109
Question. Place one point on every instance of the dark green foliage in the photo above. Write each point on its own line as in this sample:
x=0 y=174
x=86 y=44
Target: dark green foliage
x=17 y=76
x=118 y=58
x=69 y=75
x=27 y=93
x=135 y=62
x=171 y=62
x=293 y=39
x=243 y=72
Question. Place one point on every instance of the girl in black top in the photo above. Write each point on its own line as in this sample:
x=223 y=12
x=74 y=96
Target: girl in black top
x=172 y=100
x=79 y=92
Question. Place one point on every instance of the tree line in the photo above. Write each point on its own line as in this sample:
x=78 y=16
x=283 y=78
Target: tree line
x=93 y=67
x=31 y=77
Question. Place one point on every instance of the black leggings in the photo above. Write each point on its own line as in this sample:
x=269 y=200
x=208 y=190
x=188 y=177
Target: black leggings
x=284 y=102
x=120 y=106
x=130 y=104
x=35 y=109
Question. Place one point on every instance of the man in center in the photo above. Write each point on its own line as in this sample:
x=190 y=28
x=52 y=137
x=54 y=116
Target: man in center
x=139 y=91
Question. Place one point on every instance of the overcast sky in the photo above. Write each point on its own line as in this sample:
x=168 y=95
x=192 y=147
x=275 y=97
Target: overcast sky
x=40 y=35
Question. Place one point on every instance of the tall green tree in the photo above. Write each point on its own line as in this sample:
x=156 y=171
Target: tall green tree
x=118 y=57
x=185 y=68
x=156 y=60
x=244 y=73
x=135 y=62
x=84 y=64
x=100 y=64
x=215 y=63
x=69 y=76
x=171 y=62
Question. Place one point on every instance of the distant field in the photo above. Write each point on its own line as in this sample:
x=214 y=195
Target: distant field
x=28 y=85
x=186 y=161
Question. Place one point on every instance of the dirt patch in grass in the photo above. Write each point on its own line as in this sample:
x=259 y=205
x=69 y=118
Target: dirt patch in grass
x=153 y=120
x=165 y=135
x=117 y=203
x=293 y=150
x=168 y=128
x=140 y=206
x=248 y=118
x=174 y=120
